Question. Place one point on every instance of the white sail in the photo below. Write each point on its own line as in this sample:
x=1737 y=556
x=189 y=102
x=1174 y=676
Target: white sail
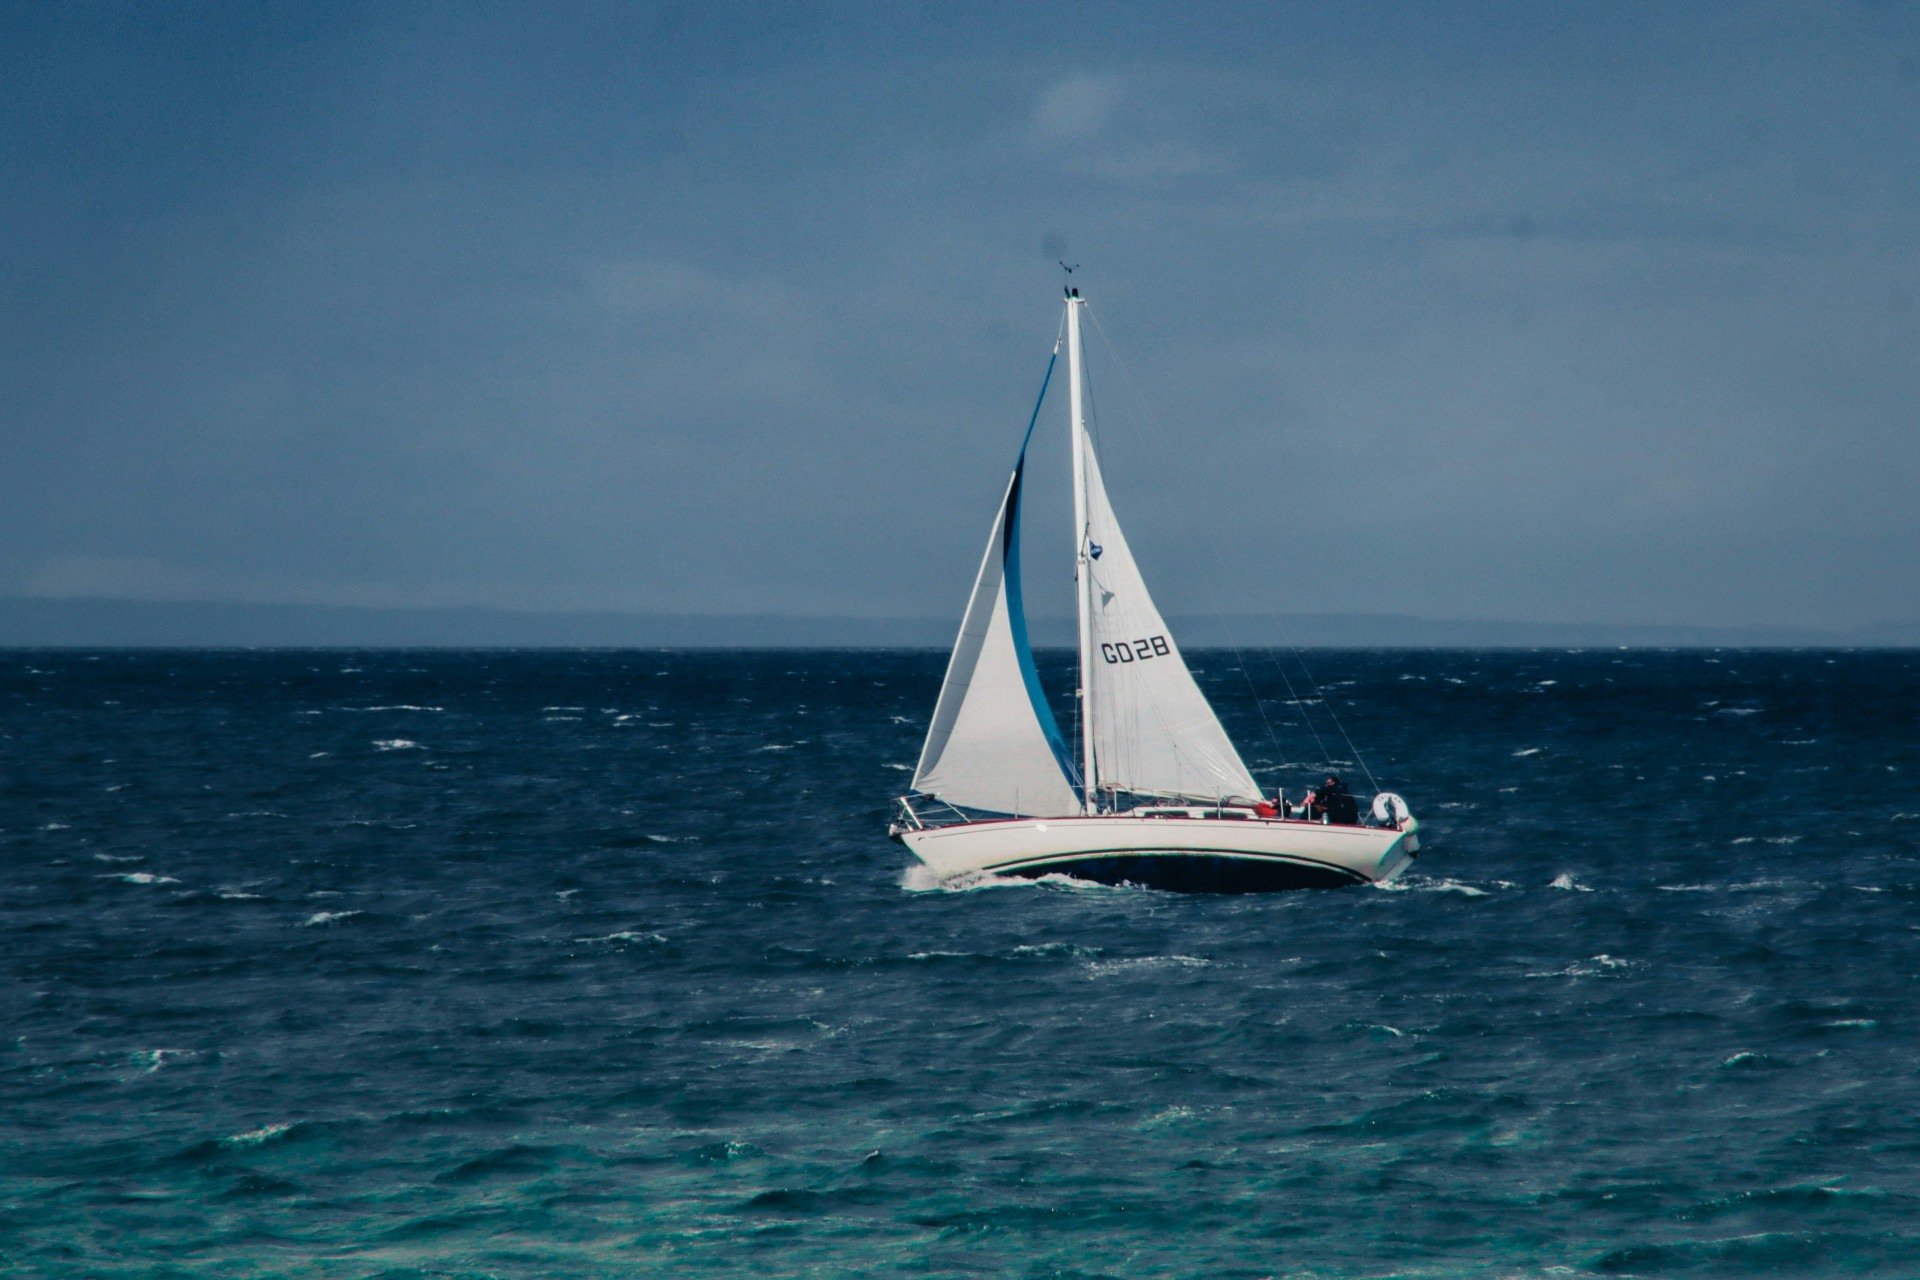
x=1152 y=730
x=993 y=743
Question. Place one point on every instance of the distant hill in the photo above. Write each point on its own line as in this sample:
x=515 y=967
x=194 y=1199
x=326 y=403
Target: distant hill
x=99 y=623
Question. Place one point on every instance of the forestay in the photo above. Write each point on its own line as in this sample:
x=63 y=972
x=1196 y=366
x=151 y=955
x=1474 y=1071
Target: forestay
x=994 y=744
x=1152 y=730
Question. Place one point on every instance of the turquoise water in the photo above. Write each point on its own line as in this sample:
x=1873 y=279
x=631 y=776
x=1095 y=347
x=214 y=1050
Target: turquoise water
x=523 y=964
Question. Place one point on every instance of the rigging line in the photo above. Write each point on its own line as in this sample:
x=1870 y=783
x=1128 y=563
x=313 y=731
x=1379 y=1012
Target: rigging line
x=1226 y=628
x=1335 y=717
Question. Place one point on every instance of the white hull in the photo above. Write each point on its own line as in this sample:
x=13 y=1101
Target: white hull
x=1194 y=853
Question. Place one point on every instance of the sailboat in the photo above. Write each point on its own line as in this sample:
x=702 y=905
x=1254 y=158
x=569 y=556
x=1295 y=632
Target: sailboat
x=1153 y=793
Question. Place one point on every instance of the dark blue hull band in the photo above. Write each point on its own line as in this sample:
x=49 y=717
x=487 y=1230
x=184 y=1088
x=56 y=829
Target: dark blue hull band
x=1190 y=873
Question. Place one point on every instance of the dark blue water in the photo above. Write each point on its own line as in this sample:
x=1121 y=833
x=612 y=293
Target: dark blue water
x=412 y=964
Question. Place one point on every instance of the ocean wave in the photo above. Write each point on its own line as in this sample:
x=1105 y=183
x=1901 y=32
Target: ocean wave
x=151 y=1060
x=1602 y=963
x=1411 y=885
x=1137 y=964
x=920 y=878
x=256 y=1137
x=397 y=744
x=1749 y=1060
x=319 y=918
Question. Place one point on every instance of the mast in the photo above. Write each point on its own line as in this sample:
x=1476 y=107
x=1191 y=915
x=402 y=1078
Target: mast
x=1082 y=575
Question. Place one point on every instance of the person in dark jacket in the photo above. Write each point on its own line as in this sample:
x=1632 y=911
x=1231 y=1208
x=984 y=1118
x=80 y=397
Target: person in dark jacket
x=1332 y=800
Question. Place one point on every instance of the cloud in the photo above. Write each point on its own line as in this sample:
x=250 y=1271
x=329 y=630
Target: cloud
x=1076 y=109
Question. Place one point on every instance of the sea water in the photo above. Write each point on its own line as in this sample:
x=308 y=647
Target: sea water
x=599 y=964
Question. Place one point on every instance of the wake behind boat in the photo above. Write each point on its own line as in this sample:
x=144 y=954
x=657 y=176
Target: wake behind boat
x=1155 y=795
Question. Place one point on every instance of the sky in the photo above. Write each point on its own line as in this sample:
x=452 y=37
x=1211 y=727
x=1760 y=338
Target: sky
x=1553 y=313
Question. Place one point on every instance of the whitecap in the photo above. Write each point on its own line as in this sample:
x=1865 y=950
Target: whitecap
x=1565 y=880
x=236 y=895
x=627 y=935
x=1737 y=711
x=671 y=839
x=563 y=708
x=902 y=768
x=1454 y=886
x=57 y=826
x=1129 y=964
x=1688 y=888
x=254 y=1137
x=1060 y=880
x=397 y=744
x=142 y=877
x=1783 y=839
x=401 y=706
x=1432 y=886
x=327 y=917
x=1028 y=950
x=154 y=1059
x=1745 y=839
x=1528 y=751
x=317 y=755
x=120 y=857
x=1584 y=968
x=1853 y=1022
x=920 y=878
x=778 y=746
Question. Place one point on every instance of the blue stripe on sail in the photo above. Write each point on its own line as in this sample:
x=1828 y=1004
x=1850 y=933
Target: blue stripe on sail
x=1040 y=400
x=1016 y=604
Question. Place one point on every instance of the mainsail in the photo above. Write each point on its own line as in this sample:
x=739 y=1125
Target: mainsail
x=1152 y=730
x=994 y=744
